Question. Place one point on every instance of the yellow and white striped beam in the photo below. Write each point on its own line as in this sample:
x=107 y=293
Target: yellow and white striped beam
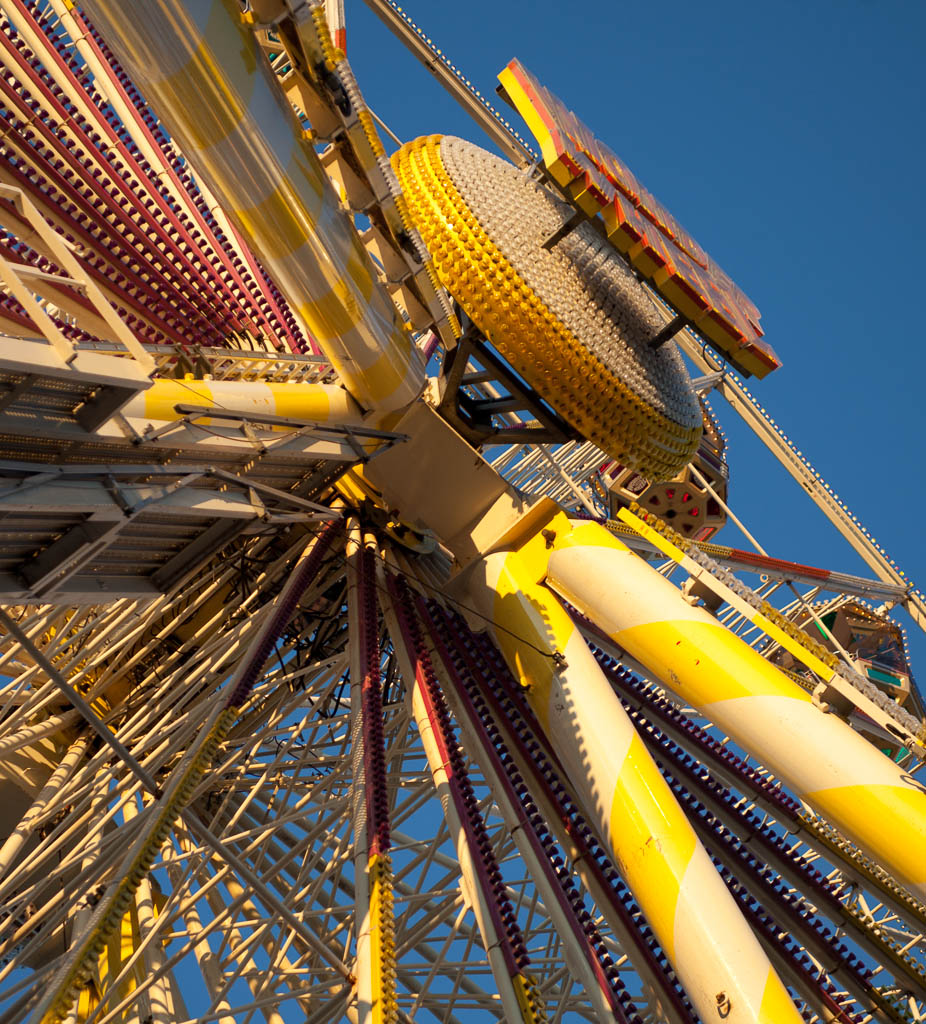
x=318 y=403
x=717 y=957
x=203 y=72
x=779 y=629
x=822 y=759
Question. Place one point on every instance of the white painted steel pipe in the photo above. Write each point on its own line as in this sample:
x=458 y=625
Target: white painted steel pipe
x=469 y=879
x=32 y=733
x=17 y=839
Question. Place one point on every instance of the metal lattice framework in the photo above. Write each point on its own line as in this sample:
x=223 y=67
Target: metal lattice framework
x=260 y=756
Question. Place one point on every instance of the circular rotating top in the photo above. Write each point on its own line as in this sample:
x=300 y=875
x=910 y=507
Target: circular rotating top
x=572 y=320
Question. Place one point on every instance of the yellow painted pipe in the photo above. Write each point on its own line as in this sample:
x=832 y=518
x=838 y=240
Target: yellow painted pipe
x=318 y=403
x=712 y=948
x=202 y=70
x=821 y=758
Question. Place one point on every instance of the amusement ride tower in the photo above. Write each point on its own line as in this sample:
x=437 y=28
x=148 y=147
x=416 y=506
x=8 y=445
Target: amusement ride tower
x=366 y=649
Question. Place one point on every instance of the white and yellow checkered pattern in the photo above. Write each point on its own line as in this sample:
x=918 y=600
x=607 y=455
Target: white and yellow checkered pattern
x=202 y=71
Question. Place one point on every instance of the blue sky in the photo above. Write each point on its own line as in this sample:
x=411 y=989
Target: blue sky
x=788 y=138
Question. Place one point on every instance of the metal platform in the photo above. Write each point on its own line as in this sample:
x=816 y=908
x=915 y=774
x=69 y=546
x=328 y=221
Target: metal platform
x=123 y=510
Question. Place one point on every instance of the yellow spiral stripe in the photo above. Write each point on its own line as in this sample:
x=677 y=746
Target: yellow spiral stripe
x=656 y=850
x=523 y=329
x=865 y=794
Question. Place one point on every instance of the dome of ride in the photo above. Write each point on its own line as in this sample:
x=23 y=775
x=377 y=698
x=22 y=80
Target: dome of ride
x=571 y=319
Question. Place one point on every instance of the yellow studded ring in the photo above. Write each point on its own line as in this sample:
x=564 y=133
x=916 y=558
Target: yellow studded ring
x=573 y=321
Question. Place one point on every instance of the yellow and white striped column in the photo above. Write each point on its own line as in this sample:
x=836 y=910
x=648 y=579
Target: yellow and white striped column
x=203 y=72
x=823 y=760
x=715 y=953
x=318 y=403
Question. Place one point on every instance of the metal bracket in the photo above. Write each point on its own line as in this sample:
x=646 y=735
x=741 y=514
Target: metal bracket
x=473 y=417
x=702 y=385
x=566 y=228
x=678 y=323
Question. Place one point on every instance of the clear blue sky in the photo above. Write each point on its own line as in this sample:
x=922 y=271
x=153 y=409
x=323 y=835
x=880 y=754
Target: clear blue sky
x=789 y=139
